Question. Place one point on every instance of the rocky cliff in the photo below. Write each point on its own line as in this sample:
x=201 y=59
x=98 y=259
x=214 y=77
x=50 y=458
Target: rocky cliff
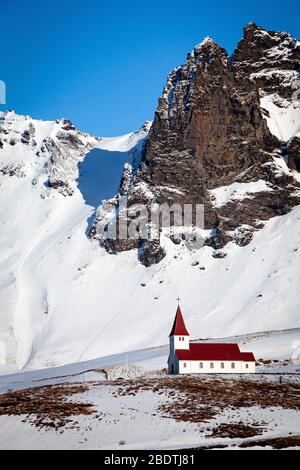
x=222 y=124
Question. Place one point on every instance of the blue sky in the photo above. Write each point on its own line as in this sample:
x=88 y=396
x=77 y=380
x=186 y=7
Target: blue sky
x=103 y=64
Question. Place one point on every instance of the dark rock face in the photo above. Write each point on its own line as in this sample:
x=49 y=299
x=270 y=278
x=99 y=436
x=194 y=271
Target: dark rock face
x=243 y=236
x=67 y=125
x=150 y=252
x=27 y=136
x=272 y=60
x=264 y=55
x=118 y=246
x=208 y=127
x=294 y=153
x=210 y=131
x=61 y=185
x=13 y=169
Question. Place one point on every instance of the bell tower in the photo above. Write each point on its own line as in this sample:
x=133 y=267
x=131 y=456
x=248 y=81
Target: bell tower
x=179 y=338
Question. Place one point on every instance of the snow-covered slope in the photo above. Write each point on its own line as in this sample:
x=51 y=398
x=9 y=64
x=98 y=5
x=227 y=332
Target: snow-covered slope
x=114 y=410
x=279 y=351
x=43 y=221
x=143 y=414
x=64 y=299
x=283 y=118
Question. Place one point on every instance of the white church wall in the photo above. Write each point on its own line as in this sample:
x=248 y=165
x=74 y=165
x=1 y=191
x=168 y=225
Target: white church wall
x=248 y=367
x=219 y=367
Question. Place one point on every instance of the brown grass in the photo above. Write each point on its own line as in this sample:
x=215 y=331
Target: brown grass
x=46 y=407
x=236 y=431
x=196 y=399
x=278 y=443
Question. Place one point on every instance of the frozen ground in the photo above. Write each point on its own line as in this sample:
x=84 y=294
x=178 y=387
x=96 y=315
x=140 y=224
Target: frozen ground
x=152 y=413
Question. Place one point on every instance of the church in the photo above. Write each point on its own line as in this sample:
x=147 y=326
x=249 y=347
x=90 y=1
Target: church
x=204 y=358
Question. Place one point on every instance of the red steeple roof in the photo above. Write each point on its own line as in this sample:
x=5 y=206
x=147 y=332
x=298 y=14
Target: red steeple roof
x=179 y=328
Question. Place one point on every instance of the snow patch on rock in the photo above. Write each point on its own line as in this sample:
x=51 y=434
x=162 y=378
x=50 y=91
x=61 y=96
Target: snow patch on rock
x=237 y=191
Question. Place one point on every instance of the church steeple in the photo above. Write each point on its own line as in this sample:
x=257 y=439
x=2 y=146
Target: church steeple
x=179 y=328
x=179 y=338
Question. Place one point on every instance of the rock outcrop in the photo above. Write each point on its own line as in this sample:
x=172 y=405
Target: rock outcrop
x=294 y=153
x=270 y=58
x=210 y=131
x=58 y=145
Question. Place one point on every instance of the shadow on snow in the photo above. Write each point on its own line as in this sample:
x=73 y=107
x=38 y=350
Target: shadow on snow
x=100 y=174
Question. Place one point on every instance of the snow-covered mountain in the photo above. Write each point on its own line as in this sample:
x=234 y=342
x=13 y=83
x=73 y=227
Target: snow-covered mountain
x=226 y=131
x=50 y=173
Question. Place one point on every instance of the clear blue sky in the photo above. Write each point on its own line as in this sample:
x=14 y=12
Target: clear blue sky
x=103 y=64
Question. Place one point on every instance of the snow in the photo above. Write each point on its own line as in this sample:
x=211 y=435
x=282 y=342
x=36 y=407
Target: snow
x=125 y=142
x=282 y=168
x=278 y=346
x=133 y=422
x=286 y=76
x=64 y=299
x=284 y=120
x=237 y=191
x=204 y=42
x=101 y=169
x=138 y=428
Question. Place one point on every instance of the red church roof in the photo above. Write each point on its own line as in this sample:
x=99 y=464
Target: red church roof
x=179 y=328
x=248 y=357
x=214 y=352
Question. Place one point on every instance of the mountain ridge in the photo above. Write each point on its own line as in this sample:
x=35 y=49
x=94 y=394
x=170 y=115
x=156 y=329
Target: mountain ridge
x=64 y=294
x=214 y=126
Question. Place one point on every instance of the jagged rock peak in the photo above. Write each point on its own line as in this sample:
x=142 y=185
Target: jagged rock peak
x=205 y=58
x=270 y=58
x=10 y=116
x=254 y=32
x=206 y=50
x=145 y=127
x=258 y=41
x=210 y=132
x=207 y=42
x=202 y=53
